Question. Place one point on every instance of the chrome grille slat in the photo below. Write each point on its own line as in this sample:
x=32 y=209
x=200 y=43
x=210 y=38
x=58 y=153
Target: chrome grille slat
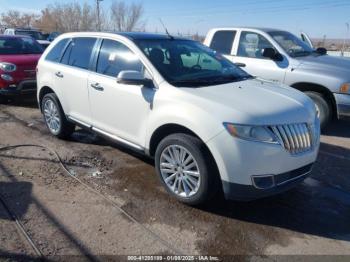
x=295 y=135
x=300 y=134
x=305 y=135
x=285 y=138
x=295 y=138
x=290 y=137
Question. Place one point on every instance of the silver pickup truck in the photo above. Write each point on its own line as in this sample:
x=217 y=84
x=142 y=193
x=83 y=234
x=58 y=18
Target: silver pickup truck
x=280 y=56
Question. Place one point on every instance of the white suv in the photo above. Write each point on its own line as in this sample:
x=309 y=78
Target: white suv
x=209 y=125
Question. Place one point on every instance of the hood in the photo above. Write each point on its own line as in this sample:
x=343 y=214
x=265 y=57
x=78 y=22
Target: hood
x=327 y=63
x=22 y=61
x=254 y=102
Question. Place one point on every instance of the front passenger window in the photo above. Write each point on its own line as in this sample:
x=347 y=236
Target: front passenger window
x=115 y=57
x=252 y=45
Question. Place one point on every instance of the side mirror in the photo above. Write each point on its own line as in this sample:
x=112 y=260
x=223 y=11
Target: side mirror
x=272 y=54
x=321 y=51
x=129 y=77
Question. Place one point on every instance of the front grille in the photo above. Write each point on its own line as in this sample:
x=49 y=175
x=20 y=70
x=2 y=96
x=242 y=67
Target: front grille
x=28 y=86
x=296 y=138
x=30 y=73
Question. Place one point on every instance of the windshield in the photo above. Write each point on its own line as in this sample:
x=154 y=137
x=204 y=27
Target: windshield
x=19 y=45
x=35 y=34
x=291 y=44
x=188 y=63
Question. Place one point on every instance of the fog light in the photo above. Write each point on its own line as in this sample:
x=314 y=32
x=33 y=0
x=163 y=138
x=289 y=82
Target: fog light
x=7 y=78
x=263 y=182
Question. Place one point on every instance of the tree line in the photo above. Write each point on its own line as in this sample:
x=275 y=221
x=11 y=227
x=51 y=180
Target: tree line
x=75 y=16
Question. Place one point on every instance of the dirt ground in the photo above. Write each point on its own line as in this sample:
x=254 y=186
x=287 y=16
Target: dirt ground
x=121 y=209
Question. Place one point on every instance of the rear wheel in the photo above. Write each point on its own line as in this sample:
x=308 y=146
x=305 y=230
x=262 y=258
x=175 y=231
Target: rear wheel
x=55 y=118
x=186 y=169
x=324 y=109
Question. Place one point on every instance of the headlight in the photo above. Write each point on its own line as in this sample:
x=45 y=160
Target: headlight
x=252 y=133
x=7 y=67
x=345 y=88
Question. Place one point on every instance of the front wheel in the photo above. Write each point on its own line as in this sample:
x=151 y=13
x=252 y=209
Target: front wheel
x=323 y=108
x=55 y=118
x=186 y=169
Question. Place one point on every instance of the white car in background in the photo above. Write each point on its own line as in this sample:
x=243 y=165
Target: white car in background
x=209 y=125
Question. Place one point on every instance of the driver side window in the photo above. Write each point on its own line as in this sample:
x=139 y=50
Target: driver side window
x=115 y=57
x=252 y=45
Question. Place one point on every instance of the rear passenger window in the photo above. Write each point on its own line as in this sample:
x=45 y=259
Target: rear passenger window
x=79 y=52
x=115 y=57
x=56 y=52
x=222 y=41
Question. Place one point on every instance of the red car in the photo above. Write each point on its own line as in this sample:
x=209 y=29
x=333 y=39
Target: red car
x=19 y=56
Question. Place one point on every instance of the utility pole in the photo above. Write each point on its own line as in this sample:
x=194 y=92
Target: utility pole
x=98 y=15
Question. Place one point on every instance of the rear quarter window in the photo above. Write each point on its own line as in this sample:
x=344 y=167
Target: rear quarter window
x=223 y=41
x=56 y=52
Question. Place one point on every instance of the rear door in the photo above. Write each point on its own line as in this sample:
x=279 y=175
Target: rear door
x=72 y=77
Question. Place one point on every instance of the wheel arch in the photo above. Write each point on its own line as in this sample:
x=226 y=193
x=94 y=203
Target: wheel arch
x=307 y=86
x=44 y=91
x=165 y=130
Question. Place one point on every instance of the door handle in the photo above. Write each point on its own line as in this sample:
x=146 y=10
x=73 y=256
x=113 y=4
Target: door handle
x=240 y=64
x=97 y=87
x=59 y=74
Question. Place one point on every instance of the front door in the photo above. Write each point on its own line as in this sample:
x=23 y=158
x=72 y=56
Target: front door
x=250 y=49
x=119 y=109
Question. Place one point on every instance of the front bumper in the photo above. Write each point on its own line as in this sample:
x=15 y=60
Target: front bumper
x=343 y=105
x=24 y=87
x=239 y=161
x=283 y=182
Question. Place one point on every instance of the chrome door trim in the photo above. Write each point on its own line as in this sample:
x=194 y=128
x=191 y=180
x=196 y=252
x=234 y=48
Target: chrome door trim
x=117 y=138
x=79 y=122
x=109 y=135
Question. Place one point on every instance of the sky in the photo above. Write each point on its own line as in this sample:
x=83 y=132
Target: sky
x=315 y=17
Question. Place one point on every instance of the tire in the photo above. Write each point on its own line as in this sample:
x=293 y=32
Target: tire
x=323 y=107
x=203 y=169
x=52 y=110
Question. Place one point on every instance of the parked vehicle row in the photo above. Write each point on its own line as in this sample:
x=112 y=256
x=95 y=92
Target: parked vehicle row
x=281 y=57
x=209 y=125
x=227 y=116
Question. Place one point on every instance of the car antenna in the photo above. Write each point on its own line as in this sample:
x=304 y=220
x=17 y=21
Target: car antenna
x=166 y=30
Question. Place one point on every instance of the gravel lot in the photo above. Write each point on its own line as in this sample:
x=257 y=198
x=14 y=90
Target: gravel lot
x=121 y=209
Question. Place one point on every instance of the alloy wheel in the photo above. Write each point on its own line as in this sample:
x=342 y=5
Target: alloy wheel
x=180 y=171
x=52 y=116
